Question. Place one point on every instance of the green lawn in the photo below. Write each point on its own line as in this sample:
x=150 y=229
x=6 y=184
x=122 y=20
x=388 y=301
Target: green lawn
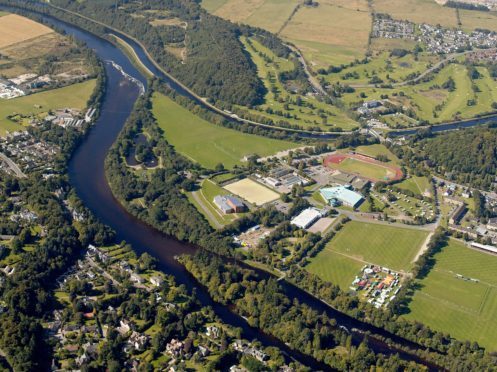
x=207 y=193
x=359 y=243
x=378 y=149
x=465 y=309
x=73 y=96
x=417 y=185
x=335 y=268
x=206 y=143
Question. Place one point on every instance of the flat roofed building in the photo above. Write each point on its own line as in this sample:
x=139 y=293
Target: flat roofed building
x=229 y=204
x=341 y=194
x=306 y=218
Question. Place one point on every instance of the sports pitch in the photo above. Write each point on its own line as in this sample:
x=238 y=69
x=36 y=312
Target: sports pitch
x=462 y=307
x=251 y=191
x=360 y=243
x=364 y=166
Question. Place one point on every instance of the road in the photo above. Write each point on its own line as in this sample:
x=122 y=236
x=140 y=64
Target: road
x=12 y=165
x=314 y=82
x=422 y=75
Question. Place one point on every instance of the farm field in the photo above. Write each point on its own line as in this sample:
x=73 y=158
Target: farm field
x=471 y=20
x=206 y=143
x=307 y=113
x=15 y=29
x=267 y=14
x=252 y=191
x=359 y=243
x=73 y=96
x=418 y=11
x=463 y=308
x=338 y=24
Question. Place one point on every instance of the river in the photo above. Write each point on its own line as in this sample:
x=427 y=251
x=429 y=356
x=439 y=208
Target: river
x=87 y=175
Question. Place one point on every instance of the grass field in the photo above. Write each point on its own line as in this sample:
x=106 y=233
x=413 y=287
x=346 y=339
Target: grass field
x=14 y=29
x=428 y=99
x=279 y=100
x=206 y=143
x=359 y=243
x=252 y=191
x=206 y=194
x=73 y=96
x=378 y=149
x=465 y=309
x=415 y=184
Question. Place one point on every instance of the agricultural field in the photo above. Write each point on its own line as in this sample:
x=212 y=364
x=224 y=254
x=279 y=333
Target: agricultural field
x=252 y=191
x=471 y=19
x=338 y=29
x=417 y=11
x=39 y=104
x=206 y=143
x=460 y=306
x=15 y=29
x=280 y=105
x=359 y=243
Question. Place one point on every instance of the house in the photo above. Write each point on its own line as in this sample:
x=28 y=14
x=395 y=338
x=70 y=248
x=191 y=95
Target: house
x=137 y=341
x=175 y=347
x=458 y=214
x=341 y=195
x=229 y=204
x=306 y=218
x=492 y=224
x=156 y=281
x=212 y=331
x=372 y=104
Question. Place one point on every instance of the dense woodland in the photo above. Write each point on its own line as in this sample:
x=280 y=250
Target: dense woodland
x=467 y=156
x=216 y=64
x=266 y=306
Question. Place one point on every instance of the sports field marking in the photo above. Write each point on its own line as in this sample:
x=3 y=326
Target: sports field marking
x=15 y=29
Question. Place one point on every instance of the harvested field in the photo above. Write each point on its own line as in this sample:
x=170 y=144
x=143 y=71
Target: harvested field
x=15 y=29
x=238 y=10
x=251 y=191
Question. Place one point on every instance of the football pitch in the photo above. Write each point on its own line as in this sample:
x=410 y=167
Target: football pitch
x=360 y=243
x=450 y=301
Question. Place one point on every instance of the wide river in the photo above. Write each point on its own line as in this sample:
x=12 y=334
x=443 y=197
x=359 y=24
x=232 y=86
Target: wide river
x=87 y=175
